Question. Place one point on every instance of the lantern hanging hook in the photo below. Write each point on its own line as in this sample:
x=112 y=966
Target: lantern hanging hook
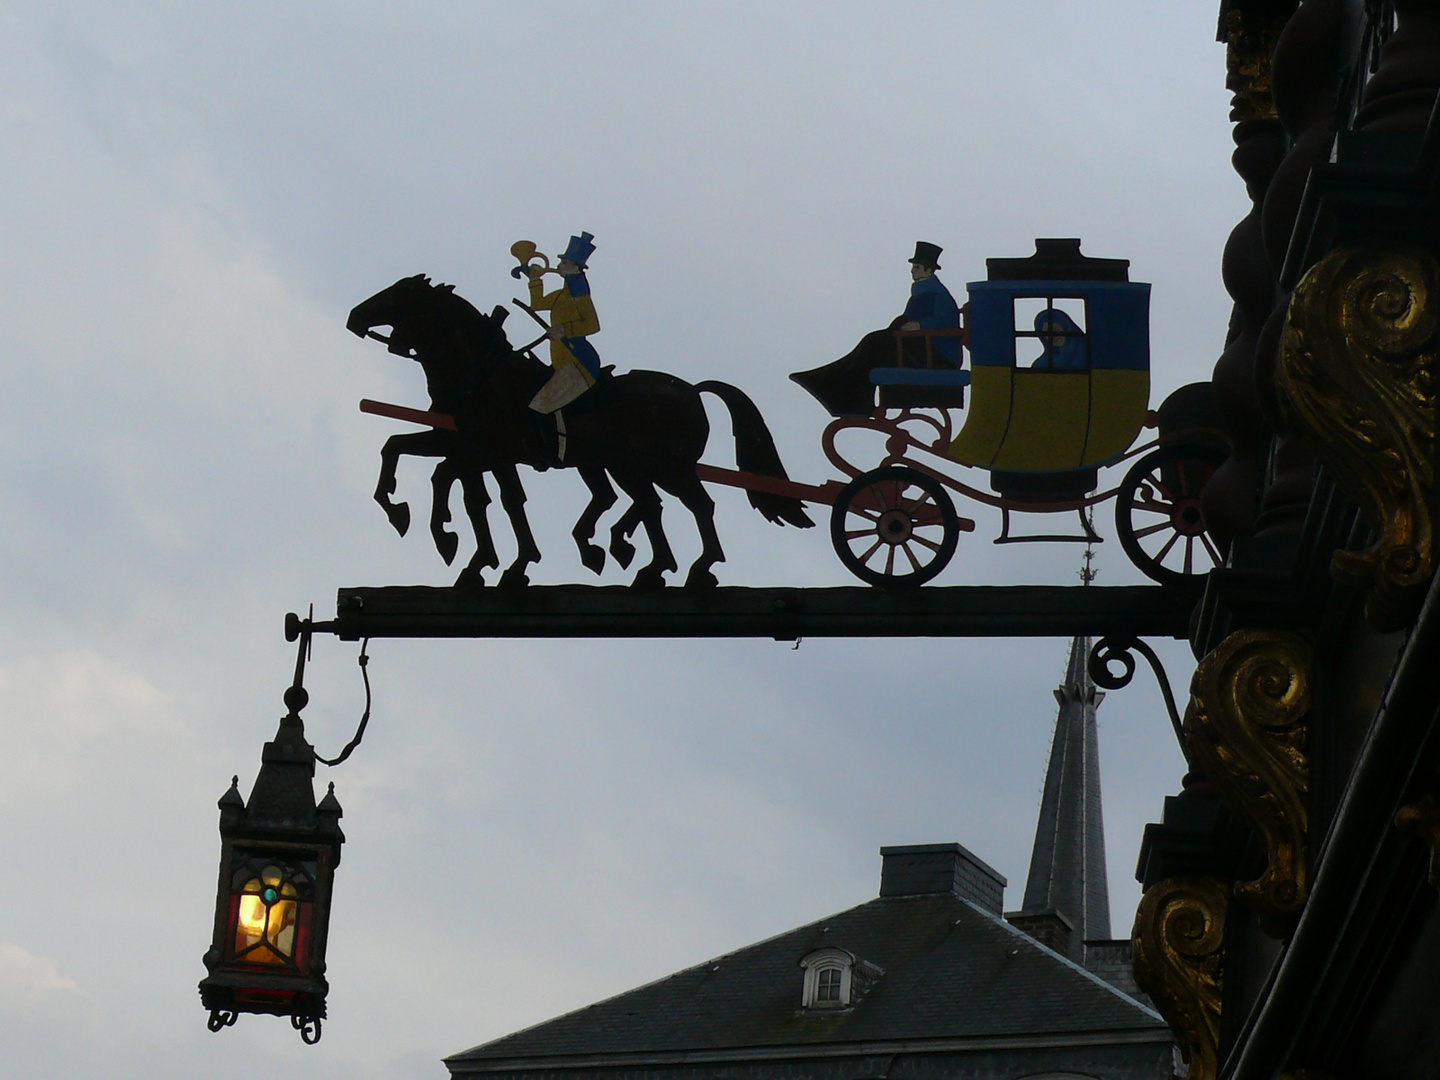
x=364 y=662
x=296 y=697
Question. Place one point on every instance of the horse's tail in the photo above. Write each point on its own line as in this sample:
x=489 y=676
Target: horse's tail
x=755 y=453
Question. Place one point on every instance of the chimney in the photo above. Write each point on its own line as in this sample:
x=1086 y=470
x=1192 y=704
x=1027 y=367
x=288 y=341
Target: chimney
x=940 y=869
x=1046 y=925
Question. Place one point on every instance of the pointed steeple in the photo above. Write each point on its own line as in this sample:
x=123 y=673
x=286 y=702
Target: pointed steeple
x=1067 y=866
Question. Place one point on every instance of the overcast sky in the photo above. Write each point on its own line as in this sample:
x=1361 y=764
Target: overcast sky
x=193 y=198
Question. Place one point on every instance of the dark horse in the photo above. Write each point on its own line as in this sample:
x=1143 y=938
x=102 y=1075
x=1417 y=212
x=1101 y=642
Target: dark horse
x=644 y=429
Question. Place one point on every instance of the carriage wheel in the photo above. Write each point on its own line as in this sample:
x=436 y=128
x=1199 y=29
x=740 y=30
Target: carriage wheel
x=1157 y=513
x=894 y=527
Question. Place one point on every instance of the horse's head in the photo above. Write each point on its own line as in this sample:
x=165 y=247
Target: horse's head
x=428 y=322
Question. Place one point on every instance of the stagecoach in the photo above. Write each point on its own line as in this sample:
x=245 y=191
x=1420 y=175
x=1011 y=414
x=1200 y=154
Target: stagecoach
x=1058 y=386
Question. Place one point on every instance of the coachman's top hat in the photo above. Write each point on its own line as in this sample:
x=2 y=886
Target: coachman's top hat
x=581 y=248
x=927 y=254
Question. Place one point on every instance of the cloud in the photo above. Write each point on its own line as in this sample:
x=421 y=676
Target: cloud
x=25 y=975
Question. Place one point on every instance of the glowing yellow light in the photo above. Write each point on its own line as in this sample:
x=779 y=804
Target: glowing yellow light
x=252 y=915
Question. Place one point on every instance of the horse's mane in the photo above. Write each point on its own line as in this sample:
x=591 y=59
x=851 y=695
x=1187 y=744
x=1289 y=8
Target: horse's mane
x=487 y=328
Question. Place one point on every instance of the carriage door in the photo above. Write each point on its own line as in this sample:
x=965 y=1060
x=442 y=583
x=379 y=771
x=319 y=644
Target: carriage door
x=1050 y=414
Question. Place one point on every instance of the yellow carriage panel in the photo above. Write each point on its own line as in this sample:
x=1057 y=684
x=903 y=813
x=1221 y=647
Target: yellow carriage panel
x=989 y=416
x=1049 y=419
x=1121 y=400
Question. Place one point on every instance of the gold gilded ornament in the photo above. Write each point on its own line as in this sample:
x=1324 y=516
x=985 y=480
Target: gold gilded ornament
x=1245 y=728
x=1356 y=375
x=1422 y=819
x=1178 y=947
x=1250 y=37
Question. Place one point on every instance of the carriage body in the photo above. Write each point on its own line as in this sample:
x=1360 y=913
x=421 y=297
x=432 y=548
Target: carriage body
x=1060 y=374
x=1059 y=388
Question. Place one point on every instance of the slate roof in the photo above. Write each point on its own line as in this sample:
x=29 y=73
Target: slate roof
x=952 y=971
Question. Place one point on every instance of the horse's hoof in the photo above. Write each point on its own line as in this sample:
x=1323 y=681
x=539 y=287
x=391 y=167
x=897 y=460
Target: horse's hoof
x=447 y=543
x=514 y=578
x=650 y=579
x=592 y=557
x=623 y=551
x=700 y=580
x=399 y=516
x=470 y=578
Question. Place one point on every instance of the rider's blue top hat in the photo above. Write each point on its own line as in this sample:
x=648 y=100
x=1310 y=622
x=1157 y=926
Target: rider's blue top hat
x=580 y=249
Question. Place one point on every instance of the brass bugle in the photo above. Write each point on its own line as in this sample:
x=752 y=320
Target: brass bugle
x=525 y=251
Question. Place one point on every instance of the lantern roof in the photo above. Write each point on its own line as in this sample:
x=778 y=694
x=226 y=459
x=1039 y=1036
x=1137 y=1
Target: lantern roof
x=282 y=802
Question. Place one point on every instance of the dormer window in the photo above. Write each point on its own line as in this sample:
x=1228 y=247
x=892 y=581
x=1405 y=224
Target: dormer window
x=835 y=979
x=828 y=979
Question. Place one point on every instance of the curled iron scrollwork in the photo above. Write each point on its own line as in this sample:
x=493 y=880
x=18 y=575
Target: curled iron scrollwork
x=1246 y=727
x=1357 y=376
x=308 y=1027
x=1121 y=650
x=221 y=1019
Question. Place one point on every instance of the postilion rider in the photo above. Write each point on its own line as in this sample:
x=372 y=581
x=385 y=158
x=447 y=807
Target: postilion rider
x=572 y=320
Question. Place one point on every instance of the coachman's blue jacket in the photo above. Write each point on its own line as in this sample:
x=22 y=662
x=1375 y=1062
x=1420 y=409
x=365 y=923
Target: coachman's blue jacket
x=932 y=306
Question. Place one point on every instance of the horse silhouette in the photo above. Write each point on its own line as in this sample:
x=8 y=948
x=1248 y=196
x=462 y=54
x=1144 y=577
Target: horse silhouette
x=644 y=429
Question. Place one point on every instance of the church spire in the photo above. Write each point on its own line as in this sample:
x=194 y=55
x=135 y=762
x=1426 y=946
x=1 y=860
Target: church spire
x=1067 y=866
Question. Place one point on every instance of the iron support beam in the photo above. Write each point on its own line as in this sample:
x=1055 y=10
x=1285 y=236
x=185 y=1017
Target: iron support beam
x=588 y=611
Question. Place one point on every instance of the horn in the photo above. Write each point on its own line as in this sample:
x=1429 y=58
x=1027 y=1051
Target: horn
x=524 y=250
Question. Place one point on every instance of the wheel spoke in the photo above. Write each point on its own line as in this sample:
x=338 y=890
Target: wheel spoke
x=1160 y=487
x=1160 y=555
x=1214 y=555
x=914 y=563
x=1153 y=506
x=1150 y=530
x=924 y=542
x=855 y=534
x=1189 y=555
x=919 y=500
x=873 y=548
x=890 y=562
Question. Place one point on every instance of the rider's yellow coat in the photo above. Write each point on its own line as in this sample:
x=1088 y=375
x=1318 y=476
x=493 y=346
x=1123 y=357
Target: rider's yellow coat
x=575 y=315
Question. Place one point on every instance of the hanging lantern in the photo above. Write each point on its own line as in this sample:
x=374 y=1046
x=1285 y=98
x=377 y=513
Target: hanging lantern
x=278 y=855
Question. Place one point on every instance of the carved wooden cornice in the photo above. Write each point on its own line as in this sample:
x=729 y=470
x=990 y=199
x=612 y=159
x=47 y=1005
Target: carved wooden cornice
x=1178 y=950
x=1246 y=730
x=1356 y=375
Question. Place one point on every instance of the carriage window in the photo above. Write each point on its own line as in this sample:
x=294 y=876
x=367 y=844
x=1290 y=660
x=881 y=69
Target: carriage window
x=1050 y=333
